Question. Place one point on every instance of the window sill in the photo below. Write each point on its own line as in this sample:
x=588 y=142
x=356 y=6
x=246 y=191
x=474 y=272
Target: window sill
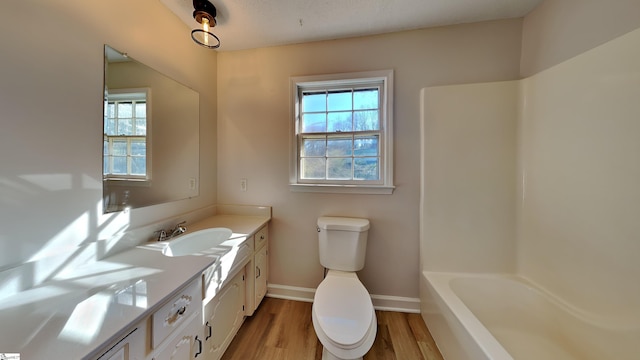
x=127 y=182
x=343 y=189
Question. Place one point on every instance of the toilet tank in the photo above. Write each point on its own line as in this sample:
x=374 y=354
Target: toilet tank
x=343 y=242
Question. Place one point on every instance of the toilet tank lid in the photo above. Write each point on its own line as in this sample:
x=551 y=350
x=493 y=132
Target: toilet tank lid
x=343 y=223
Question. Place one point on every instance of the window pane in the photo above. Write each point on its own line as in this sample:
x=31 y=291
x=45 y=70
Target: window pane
x=125 y=109
x=365 y=146
x=312 y=102
x=366 y=169
x=339 y=168
x=138 y=147
x=119 y=165
x=125 y=126
x=339 y=100
x=141 y=126
x=339 y=146
x=141 y=110
x=314 y=147
x=119 y=147
x=366 y=120
x=339 y=121
x=110 y=110
x=314 y=122
x=138 y=166
x=365 y=99
x=312 y=168
x=105 y=164
x=110 y=126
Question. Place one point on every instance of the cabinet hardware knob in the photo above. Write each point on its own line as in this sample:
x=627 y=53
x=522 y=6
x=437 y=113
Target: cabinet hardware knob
x=182 y=310
x=208 y=331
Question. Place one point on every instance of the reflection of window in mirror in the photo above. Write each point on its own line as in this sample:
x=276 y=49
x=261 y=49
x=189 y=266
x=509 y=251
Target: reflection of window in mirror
x=126 y=144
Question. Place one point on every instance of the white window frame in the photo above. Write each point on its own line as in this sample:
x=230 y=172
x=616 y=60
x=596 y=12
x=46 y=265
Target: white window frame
x=332 y=81
x=133 y=94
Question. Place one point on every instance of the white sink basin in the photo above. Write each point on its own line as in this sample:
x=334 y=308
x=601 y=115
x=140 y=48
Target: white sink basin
x=196 y=242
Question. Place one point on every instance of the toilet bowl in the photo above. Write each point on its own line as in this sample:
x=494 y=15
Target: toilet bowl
x=343 y=316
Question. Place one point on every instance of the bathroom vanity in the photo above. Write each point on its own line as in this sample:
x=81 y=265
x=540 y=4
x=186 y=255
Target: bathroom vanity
x=140 y=304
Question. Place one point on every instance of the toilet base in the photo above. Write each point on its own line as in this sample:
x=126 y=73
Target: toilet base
x=327 y=355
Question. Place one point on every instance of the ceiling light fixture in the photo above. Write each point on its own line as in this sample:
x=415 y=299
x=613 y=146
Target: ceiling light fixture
x=205 y=13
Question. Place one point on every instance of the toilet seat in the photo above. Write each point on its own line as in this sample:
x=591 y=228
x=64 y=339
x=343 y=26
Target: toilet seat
x=343 y=315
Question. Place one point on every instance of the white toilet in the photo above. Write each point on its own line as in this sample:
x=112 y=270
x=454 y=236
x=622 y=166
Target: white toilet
x=343 y=315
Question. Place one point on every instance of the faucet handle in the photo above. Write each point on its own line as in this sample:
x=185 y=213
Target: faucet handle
x=180 y=226
x=162 y=235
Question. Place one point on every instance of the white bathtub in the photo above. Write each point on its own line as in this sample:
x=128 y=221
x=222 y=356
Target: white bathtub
x=503 y=317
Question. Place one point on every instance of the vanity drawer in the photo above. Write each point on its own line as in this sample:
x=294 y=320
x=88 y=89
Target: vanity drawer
x=175 y=312
x=261 y=237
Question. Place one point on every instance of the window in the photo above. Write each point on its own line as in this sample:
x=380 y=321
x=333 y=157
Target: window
x=342 y=138
x=125 y=135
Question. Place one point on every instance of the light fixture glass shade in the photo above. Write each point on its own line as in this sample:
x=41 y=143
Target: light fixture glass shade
x=205 y=38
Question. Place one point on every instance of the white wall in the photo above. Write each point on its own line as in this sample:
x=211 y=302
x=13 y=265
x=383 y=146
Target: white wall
x=254 y=120
x=558 y=30
x=580 y=170
x=51 y=121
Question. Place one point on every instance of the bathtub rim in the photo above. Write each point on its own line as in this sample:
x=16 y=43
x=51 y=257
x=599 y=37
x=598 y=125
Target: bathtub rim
x=482 y=337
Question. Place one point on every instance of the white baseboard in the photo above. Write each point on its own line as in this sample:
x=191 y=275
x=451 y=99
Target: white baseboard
x=290 y=292
x=396 y=303
x=380 y=302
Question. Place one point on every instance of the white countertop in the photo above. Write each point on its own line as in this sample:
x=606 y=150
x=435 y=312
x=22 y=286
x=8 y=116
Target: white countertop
x=80 y=310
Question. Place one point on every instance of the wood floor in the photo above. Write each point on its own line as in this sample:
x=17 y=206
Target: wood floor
x=283 y=330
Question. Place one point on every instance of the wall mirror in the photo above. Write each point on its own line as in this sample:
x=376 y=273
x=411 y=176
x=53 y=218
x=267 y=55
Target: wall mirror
x=151 y=136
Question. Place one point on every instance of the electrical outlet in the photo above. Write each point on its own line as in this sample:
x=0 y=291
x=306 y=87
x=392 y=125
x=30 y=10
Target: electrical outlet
x=243 y=184
x=192 y=183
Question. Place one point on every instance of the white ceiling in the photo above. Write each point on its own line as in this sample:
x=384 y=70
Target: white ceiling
x=245 y=24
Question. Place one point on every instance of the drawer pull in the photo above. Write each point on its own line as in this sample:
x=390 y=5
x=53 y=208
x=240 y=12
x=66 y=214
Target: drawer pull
x=176 y=315
x=199 y=347
x=208 y=331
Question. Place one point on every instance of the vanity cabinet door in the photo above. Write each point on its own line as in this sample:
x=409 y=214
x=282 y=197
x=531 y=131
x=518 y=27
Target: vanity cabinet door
x=261 y=263
x=257 y=271
x=224 y=315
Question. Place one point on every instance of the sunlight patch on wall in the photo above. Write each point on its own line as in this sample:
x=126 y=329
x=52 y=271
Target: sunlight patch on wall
x=50 y=182
x=111 y=227
x=90 y=183
x=9 y=283
x=11 y=191
x=67 y=240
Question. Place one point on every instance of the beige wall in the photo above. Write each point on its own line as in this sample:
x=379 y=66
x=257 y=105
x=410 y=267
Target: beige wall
x=469 y=177
x=51 y=116
x=558 y=30
x=254 y=120
x=580 y=170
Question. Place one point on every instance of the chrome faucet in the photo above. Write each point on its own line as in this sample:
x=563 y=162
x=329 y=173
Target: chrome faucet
x=178 y=230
